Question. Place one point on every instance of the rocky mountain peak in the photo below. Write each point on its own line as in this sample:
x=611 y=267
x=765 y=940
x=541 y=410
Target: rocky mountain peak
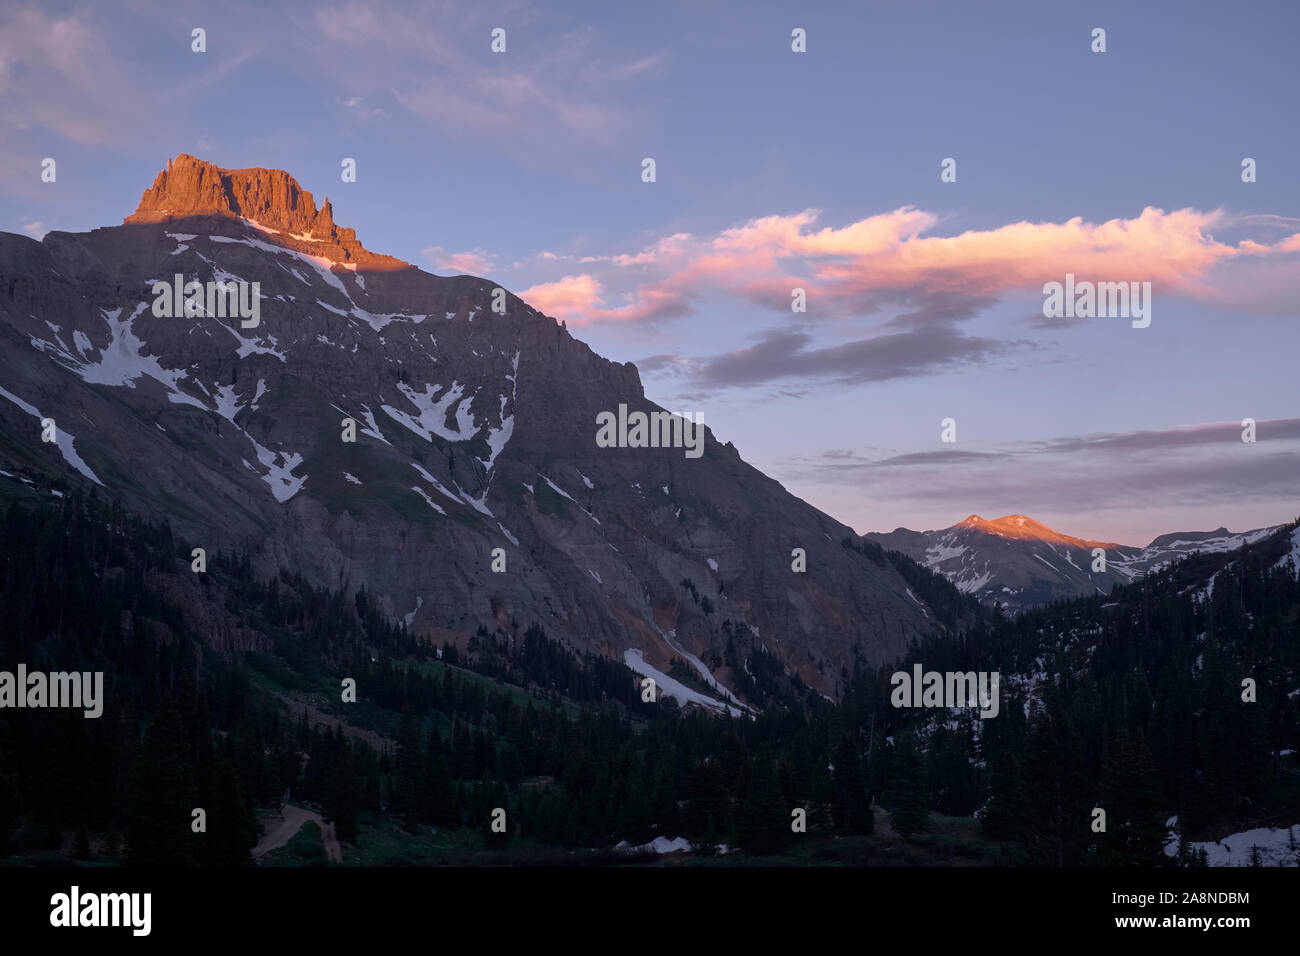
x=270 y=198
x=1025 y=528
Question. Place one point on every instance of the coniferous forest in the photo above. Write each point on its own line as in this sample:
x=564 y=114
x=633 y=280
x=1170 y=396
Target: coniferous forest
x=222 y=692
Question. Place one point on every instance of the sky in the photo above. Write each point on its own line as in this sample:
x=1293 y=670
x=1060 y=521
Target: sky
x=777 y=170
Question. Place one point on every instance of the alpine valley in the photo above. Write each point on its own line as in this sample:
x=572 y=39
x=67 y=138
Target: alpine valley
x=373 y=568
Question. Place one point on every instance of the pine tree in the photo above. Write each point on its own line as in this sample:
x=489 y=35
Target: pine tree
x=231 y=835
x=1056 y=830
x=163 y=794
x=764 y=821
x=1136 y=833
x=1005 y=812
x=709 y=804
x=852 y=803
x=908 y=812
x=406 y=798
x=634 y=813
x=341 y=801
x=441 y=811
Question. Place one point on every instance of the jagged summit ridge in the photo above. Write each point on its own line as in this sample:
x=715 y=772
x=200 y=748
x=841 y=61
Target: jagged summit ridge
x=271 y=198
x=193 y=187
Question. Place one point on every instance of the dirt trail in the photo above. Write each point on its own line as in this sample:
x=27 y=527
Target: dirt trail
x=291 y=821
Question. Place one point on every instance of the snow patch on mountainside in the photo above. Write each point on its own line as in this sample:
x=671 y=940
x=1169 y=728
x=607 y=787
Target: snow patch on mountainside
x=425 y=495
x=419 y=603
x=702 y=670
x=319 y=263
x=942 y=552
x=63 y=439
x=1294 y=555
x=120 y=363
x=557 y=488
x=667 y=686
x=436 y=483
x=972 y=583
x=279 y=470
x=498 y=438
x=432 y=417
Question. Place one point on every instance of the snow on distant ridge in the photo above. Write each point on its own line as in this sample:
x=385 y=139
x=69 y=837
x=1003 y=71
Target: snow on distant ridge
x=1294 y=555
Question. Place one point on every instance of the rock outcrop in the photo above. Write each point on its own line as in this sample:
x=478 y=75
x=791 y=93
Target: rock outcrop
x=190 y=187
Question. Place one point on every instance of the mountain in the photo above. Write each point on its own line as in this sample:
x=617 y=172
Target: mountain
x=1133 y=695
x=1022 y=563
x=476 y=430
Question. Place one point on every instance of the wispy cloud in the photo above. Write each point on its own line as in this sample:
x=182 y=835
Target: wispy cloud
x=357 y=106
x=787 y=354
x=68 y=75
x=476 y=262
x=888 y=261
x=57 y=74
x=435 y=62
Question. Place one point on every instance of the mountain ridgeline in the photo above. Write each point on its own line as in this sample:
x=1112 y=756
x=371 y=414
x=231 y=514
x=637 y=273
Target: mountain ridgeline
x=475 y=493
x=1019 y=563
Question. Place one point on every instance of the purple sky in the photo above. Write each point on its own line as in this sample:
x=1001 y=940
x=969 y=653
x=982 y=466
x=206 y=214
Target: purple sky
x=776 y=170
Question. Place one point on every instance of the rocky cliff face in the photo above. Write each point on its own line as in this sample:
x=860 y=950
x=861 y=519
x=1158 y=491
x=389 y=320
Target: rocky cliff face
x=475 y=431
x=190 y=188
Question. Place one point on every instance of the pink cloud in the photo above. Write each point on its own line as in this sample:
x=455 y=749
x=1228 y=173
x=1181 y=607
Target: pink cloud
x=571 y=296
x=578 y=299
x=477 y=262
x=889 y=256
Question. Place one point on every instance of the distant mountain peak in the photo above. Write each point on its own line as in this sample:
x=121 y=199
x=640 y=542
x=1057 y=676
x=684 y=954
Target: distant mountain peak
x=1019 y=562
x=1026 y=528
x=271 y=199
